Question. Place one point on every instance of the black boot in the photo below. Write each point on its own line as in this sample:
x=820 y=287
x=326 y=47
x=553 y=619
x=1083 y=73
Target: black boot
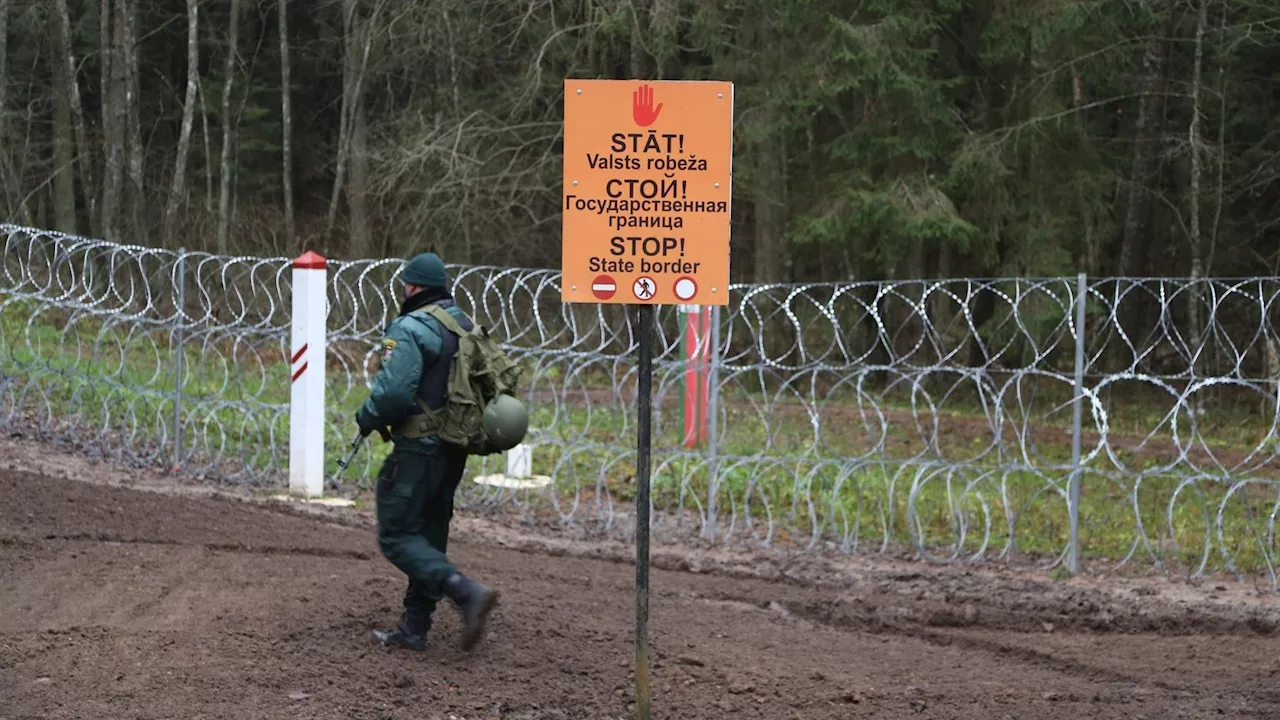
x=410 y=634
x=474 y=601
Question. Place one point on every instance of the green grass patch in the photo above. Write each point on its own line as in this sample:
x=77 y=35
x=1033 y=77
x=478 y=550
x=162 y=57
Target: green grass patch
x=874 y=472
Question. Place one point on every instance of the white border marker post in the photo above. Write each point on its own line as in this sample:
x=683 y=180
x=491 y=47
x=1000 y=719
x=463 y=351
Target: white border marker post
x=306 y=372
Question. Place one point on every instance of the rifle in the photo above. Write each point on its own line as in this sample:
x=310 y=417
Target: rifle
x=346 y=461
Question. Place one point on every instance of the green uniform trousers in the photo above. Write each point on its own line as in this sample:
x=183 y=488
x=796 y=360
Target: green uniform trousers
x=415 y=504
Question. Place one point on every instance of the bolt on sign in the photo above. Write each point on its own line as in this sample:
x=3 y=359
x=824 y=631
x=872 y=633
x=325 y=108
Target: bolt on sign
x=647 y=182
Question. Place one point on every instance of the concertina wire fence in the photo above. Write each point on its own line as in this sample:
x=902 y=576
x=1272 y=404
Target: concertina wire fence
x=933 y=417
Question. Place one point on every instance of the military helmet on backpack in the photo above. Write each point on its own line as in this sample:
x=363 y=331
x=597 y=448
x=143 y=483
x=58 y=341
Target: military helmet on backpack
x=505 y=422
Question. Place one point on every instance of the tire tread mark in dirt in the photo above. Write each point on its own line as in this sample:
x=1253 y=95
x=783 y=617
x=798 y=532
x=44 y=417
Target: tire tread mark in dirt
x=216 y=547
x=140 y=611
x=969 y=641
x=879 y=626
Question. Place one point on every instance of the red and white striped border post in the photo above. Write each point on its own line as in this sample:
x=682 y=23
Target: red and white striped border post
x=695 y=341
x=306 y=373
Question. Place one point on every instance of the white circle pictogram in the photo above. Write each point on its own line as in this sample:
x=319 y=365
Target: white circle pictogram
x=686 y=288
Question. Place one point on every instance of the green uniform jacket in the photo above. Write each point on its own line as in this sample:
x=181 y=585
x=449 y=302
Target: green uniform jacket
x=411 y=343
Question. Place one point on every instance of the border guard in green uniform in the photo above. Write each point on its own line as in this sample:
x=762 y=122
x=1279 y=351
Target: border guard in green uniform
x=443 y=392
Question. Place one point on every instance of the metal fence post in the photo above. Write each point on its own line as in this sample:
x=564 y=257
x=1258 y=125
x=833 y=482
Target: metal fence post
x=713 y=417
x=1077 y=410
x=180 y=308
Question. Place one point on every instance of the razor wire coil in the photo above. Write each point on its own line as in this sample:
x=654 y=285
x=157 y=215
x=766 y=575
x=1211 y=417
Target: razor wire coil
x=934 y=414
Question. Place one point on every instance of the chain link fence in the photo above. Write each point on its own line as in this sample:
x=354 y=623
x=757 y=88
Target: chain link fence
x=931 y=416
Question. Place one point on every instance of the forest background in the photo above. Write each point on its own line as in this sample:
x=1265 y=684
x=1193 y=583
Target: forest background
x=874 y=139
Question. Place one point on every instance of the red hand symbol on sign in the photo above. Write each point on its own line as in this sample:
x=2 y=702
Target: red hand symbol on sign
x=642 y=109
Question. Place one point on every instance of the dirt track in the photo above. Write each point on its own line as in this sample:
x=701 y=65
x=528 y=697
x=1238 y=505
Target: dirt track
x=117 y=602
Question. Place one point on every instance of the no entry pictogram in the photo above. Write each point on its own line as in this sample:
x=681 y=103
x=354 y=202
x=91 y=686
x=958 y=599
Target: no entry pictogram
x=647 y=184
x=604 y=287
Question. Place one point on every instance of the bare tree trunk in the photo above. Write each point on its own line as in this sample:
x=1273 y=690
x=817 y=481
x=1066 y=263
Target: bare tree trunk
x=454 y=90
x=349 y=45
x=4 y=85
x=286 y=116
x=83 y=151
x=638 y=66
x=64 y=151
x=136 y=152
x=769 y=263
x=1144 y=153
x=357 y=32
x=1197 y=245
x=208 y=152
x=104 y=52
x=228 y=131
x=1222 y=143
x=768 y=195
x=1197 y=251
x=358 y=186
x=663 y=19
x=177 y=189
x=1090 y=249
x=4 y=55
x=21 y=204
x=104 y=101
x=114 y=123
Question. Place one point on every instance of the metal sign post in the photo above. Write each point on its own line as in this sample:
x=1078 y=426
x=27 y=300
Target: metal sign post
x=644 y=419
x=647 y=184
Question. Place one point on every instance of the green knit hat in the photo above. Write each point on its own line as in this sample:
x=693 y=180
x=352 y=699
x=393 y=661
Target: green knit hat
x=427 y=270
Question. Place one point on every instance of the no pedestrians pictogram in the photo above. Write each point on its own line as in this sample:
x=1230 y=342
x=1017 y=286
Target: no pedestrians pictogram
x=644 y=288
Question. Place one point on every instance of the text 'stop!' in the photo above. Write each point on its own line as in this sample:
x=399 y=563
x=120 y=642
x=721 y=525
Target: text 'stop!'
x=647 y=182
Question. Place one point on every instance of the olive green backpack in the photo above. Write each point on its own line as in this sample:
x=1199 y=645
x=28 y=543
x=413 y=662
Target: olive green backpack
x=481 y=371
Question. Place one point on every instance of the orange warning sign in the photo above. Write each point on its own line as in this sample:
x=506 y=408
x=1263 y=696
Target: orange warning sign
x=647 y=171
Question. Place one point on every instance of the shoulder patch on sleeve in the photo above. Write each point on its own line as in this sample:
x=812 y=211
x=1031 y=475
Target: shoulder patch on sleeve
x=388 y=347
